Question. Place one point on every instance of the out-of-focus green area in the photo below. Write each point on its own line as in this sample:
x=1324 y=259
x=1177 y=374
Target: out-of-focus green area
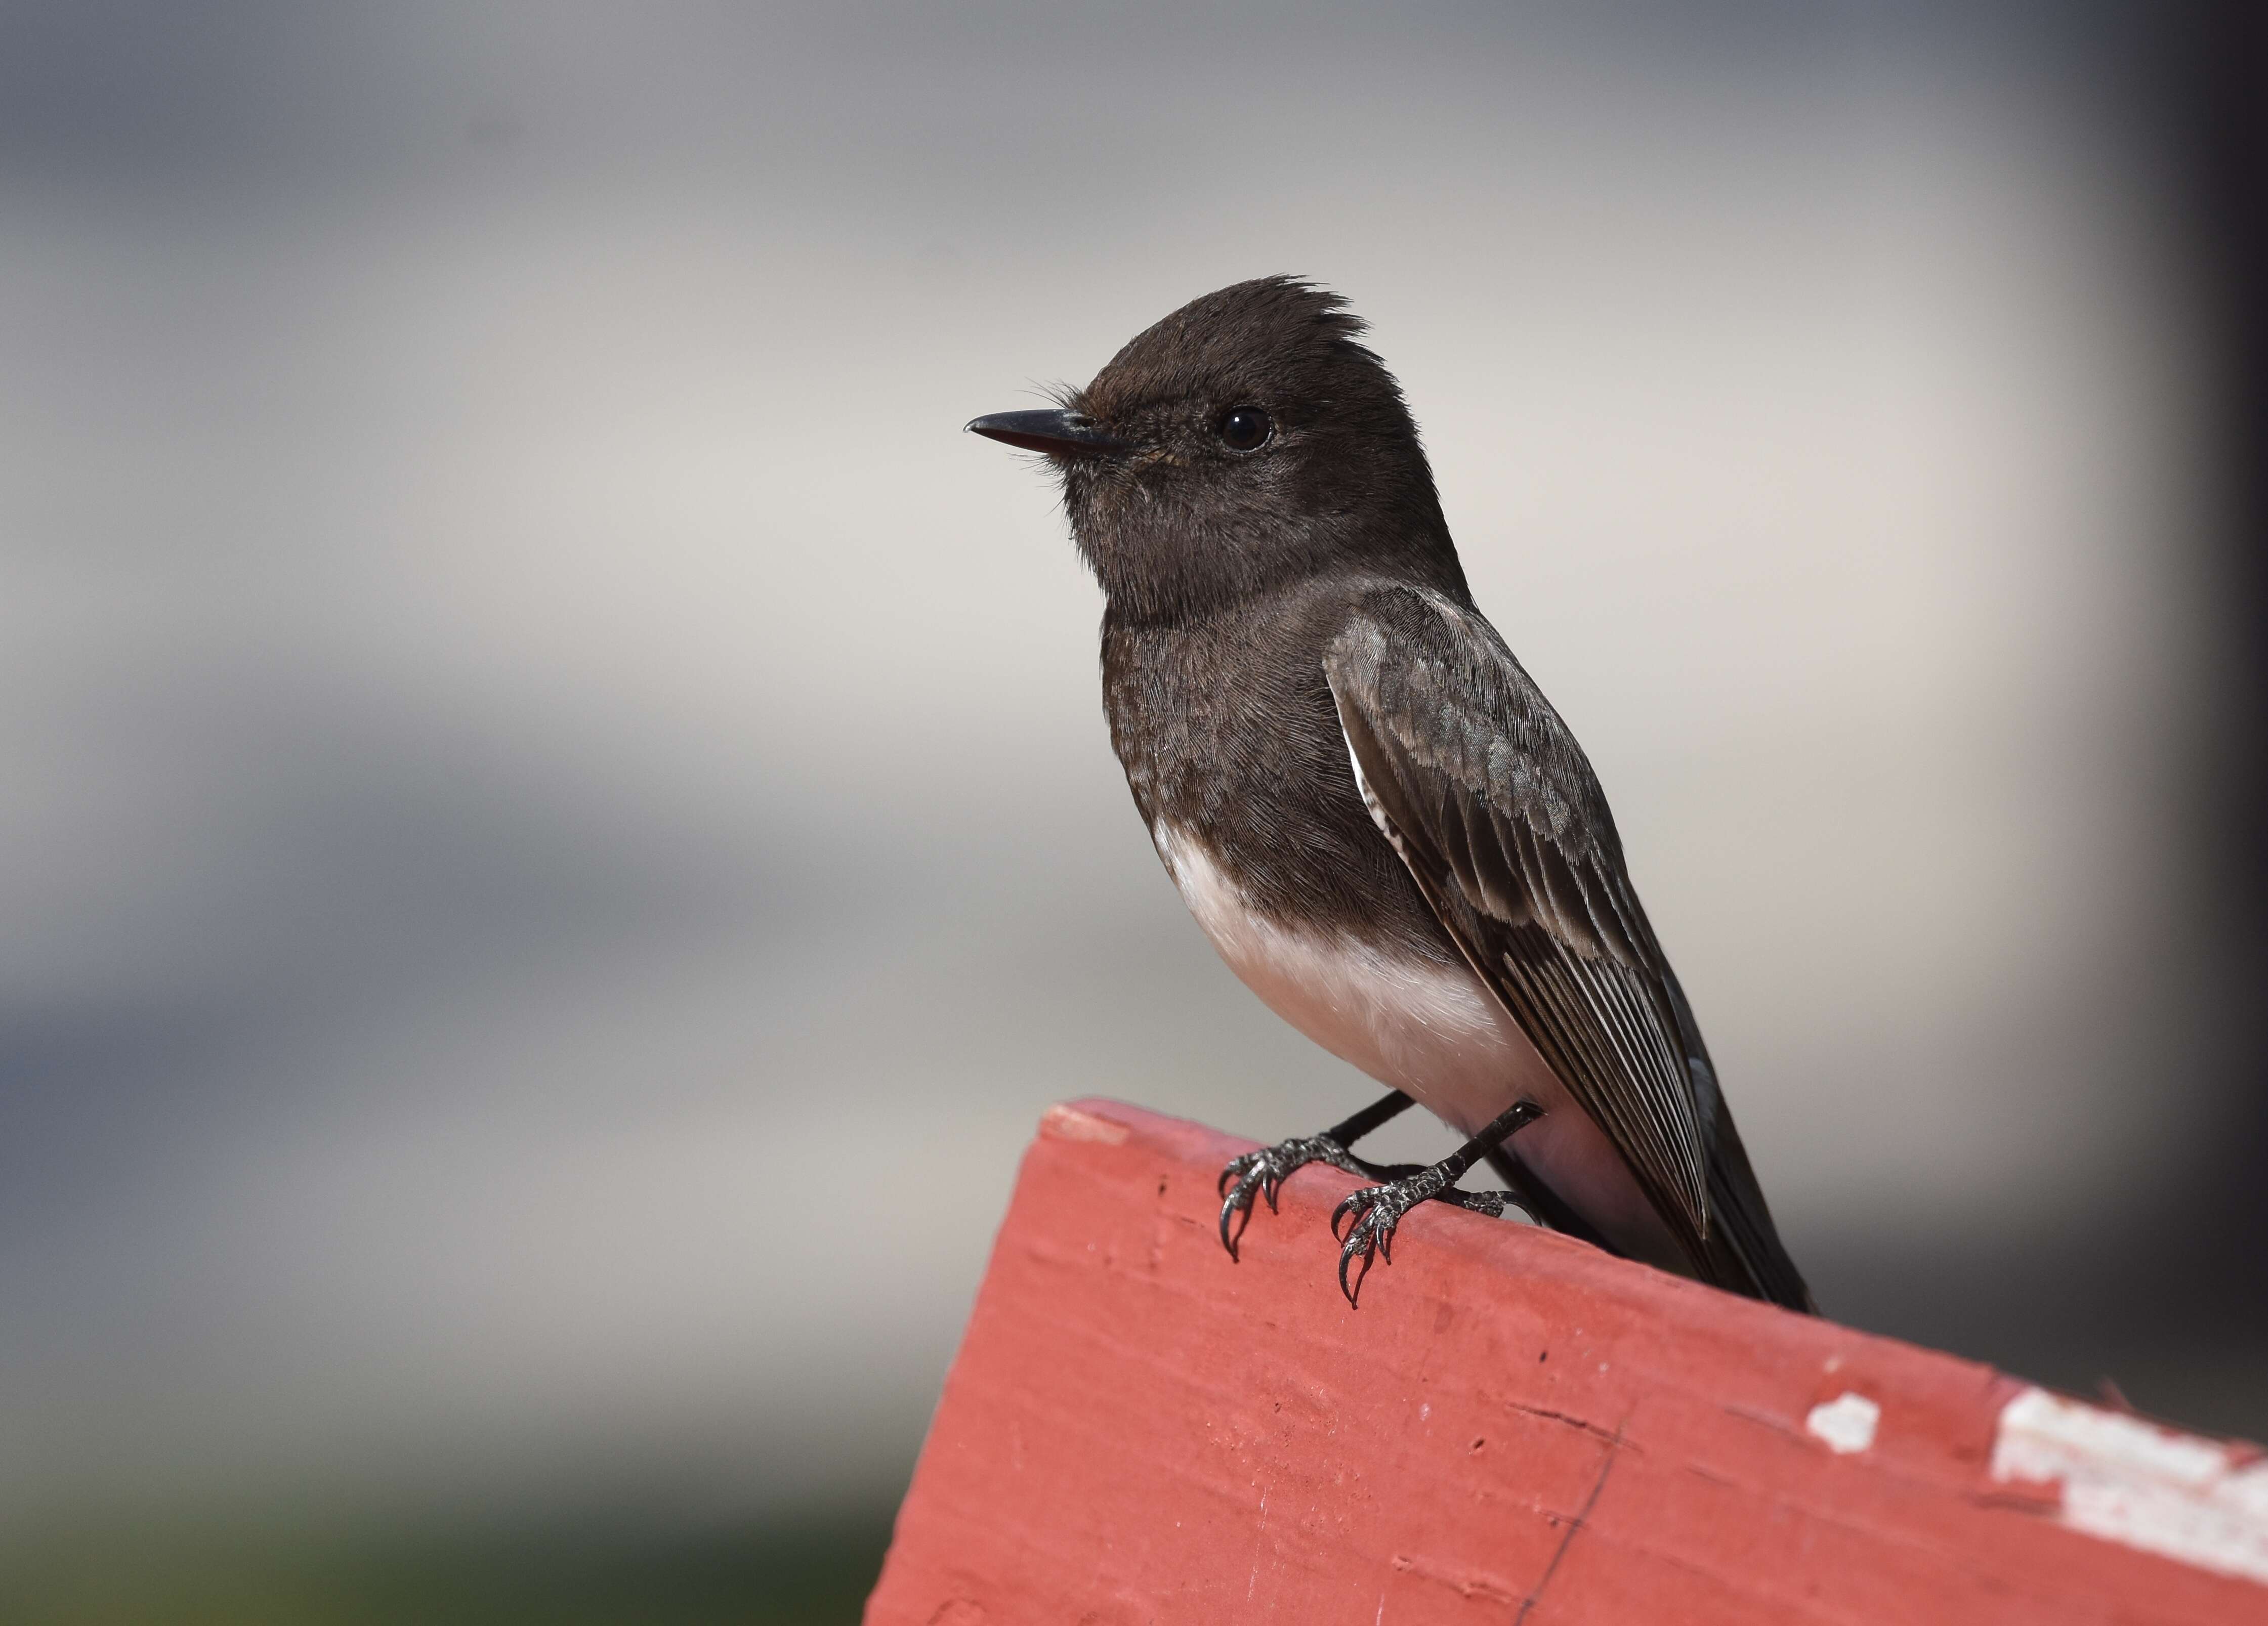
x=810 y=1572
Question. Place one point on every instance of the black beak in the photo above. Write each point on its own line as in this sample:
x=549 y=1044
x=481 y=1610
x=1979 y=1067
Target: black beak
x=1058 y=434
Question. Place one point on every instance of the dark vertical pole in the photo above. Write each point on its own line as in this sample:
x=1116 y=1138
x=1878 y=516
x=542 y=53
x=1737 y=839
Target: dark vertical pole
x=2220 y=92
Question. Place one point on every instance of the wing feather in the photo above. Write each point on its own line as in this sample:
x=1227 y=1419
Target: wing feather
x=1484 y=793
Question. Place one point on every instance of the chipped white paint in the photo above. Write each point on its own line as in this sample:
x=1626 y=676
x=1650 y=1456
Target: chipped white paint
x=1070 y=1123
x=2131 y=1481
x=1846 y=1423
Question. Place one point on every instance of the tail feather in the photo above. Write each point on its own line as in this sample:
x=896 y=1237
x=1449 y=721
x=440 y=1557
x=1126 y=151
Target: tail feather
x=1744 y=1250
x=1743 y=1254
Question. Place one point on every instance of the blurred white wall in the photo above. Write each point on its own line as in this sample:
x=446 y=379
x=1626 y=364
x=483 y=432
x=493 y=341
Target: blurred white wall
x=557 y=833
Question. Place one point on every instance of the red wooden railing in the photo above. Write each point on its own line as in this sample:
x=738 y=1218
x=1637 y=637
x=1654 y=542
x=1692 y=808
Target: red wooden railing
x=1513 y=1427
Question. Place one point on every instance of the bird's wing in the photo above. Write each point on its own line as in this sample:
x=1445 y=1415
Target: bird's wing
x=1484 y=793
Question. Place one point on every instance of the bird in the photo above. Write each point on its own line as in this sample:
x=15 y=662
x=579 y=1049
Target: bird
x=1387 y=831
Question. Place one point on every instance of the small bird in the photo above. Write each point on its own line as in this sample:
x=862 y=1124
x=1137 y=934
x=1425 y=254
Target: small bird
x=1372 y=809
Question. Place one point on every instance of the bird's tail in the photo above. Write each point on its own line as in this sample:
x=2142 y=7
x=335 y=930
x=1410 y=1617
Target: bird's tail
x=1743 y=1250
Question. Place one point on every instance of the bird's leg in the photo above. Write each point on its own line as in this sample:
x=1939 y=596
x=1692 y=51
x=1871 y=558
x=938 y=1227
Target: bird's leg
x=1264 y=1171
x=1372 y=1213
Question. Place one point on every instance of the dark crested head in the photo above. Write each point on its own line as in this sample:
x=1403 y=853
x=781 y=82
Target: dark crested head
x=1245 y=442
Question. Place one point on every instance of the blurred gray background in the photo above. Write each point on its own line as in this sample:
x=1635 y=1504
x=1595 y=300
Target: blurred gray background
x=555 y=829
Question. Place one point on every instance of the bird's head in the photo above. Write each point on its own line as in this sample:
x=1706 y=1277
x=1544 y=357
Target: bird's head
x=1242 y=443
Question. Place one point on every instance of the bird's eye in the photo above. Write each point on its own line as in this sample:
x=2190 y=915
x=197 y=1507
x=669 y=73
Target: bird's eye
x=1245 y=429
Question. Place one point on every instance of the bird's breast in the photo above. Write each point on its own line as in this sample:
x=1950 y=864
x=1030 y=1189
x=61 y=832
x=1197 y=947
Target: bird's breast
x=1426 y=1027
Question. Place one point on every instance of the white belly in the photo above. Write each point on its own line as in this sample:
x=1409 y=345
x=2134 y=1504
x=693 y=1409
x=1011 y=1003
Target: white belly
x=1432 y=1031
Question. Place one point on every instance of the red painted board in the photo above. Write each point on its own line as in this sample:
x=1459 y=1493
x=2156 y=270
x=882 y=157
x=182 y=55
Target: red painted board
x=1513 y=1427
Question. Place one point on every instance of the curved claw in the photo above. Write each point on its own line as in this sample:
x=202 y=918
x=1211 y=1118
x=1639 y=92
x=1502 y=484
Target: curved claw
x=1264 y=1171
x=1237 y=1205
x=1354 y=1204
x=1353 y=1291
x=1231 y=1209
x=1239 y=1177
x=1347 y=1256
x=1373 y=1214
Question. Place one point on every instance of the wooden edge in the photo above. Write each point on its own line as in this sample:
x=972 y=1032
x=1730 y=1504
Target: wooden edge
x=1138 y=1429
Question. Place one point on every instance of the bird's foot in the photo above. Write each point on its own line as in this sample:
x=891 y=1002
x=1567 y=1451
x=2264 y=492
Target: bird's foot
x=1371 y=1214
x=1264 y=1173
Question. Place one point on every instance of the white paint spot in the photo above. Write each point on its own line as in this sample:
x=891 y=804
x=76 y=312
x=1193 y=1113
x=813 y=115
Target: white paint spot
x=1424 y=1410
x=1067 y=1122
x=2131 y=1481
x=1846 y=1423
